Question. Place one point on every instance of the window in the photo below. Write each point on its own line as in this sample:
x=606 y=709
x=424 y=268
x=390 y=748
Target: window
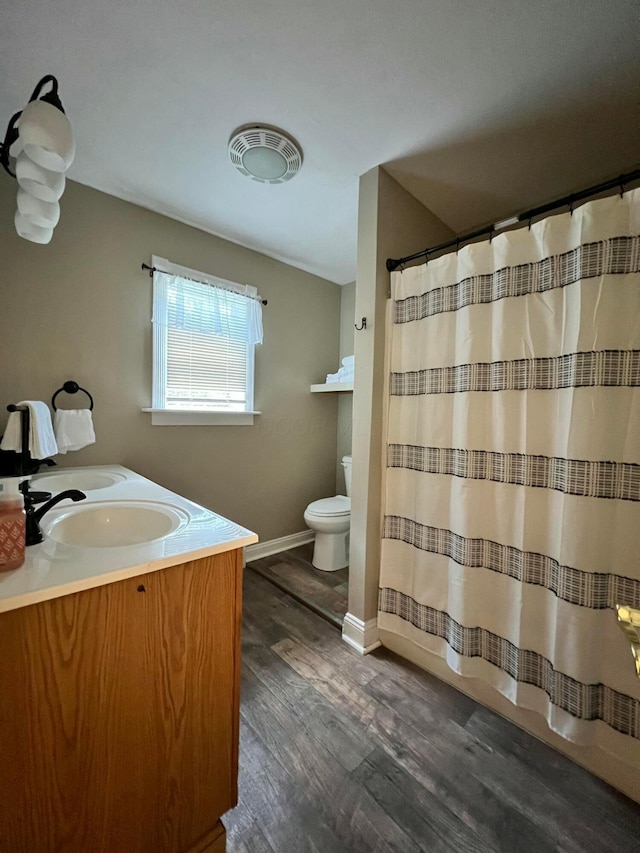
x=204 y=334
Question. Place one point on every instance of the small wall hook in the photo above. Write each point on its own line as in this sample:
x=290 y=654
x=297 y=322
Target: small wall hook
x=362 y=326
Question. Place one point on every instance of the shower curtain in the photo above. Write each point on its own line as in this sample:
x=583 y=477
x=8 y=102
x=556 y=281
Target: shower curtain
x=512 y=496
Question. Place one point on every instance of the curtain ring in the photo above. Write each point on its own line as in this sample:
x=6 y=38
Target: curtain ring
x=621 y=187
x=426 y=258
x=571 y=205
x=457 y=244
x=530 y=218
x=491 y=233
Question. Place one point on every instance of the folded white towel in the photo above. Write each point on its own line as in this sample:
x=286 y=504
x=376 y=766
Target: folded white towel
x=42 y=442
x=345 y=374
x=348 y=361
x=74 y=429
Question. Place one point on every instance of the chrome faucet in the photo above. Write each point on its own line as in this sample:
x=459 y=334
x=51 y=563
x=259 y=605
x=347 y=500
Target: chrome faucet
x=34 y=516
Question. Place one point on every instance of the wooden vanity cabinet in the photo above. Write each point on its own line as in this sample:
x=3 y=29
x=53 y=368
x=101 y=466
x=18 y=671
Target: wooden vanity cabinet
x=119 y=711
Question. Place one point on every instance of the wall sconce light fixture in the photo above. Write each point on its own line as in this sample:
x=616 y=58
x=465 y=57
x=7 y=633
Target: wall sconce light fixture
x=38 y=149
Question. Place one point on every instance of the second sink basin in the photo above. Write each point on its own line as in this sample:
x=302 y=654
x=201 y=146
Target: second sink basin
x=86 y=481
x=112 y=524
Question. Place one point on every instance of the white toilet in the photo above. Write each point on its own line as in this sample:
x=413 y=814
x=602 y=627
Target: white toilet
x=331 y=519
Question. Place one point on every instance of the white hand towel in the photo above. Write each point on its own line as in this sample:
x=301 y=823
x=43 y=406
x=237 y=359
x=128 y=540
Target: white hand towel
x=42 y=441
x=343 y=375
x=349 y=361
x=74 y=429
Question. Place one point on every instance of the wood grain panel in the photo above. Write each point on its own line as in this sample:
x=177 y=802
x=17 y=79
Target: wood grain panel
x=293 y=572
x=323 y=784
x=341 y=752
x=119 y=713
x=333 y=732
x=327 y=680
x=214 y=841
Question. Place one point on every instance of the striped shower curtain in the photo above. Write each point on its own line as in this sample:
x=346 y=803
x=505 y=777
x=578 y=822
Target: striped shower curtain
x=512 y=497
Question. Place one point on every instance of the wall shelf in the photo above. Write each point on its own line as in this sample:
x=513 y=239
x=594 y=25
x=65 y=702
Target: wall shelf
x=331 y=386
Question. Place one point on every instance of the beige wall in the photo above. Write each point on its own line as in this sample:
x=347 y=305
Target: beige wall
x=347 y=318
x=345 y=401
x=391 y=223
x=80 y=309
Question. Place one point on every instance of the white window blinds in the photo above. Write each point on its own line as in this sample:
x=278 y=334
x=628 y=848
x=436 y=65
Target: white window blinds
x=204 y=338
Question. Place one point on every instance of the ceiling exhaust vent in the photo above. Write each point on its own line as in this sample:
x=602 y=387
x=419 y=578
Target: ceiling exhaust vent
x=265 y=154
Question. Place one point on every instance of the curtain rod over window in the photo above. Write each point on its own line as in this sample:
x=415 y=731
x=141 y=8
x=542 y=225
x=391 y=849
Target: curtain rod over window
x=213 y=282
x=569 y=200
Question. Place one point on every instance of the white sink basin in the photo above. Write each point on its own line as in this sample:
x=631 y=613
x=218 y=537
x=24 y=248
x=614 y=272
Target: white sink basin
x=113 y=524
x=86 y=481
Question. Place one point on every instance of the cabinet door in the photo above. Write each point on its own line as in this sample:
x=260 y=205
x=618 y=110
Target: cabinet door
x=119 y=713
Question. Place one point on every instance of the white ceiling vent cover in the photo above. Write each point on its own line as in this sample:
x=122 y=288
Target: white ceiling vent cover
x=265 y=154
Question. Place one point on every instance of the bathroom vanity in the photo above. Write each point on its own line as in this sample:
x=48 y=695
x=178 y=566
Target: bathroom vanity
x=120 y=668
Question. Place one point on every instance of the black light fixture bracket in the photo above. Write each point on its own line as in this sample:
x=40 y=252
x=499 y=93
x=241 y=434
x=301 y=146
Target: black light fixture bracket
x=51 y=97
x=11 y=134
x=9 y=138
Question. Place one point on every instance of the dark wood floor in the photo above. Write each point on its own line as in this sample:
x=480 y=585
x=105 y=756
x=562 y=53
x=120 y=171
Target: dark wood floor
x=292 y=571
x=346 y=753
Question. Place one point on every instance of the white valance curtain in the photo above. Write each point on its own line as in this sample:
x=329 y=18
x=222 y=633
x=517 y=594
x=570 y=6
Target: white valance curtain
x=206 y=307
x=512 y=506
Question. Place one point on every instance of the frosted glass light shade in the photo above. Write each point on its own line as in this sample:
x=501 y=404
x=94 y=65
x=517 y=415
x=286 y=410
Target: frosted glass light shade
x=43 y=213
x=264 y=163
x=38 y=182
x=47 y=136
x=29 y=231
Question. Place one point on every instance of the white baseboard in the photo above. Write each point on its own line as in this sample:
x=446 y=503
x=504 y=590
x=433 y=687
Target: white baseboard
x=274 y=546
x=361 y=636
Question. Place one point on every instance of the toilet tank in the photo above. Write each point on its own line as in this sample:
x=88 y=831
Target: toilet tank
x=346 y=464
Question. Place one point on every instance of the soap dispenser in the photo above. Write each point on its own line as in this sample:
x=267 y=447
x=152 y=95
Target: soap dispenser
x=12 y=524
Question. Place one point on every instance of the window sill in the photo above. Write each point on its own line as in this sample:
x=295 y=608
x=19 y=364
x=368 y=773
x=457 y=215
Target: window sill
x=175 y=417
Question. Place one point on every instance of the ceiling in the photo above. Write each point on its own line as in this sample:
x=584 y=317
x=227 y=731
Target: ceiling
x=480 y=108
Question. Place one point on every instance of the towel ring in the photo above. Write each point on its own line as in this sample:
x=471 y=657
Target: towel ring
x=71 y=387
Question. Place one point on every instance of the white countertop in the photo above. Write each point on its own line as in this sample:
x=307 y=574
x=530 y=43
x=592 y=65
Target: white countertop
x=52 y=569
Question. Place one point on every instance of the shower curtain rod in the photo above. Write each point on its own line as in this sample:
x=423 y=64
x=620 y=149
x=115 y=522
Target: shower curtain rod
x=570 y=200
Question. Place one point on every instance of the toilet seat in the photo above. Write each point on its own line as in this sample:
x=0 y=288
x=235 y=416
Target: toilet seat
x=336 y=507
